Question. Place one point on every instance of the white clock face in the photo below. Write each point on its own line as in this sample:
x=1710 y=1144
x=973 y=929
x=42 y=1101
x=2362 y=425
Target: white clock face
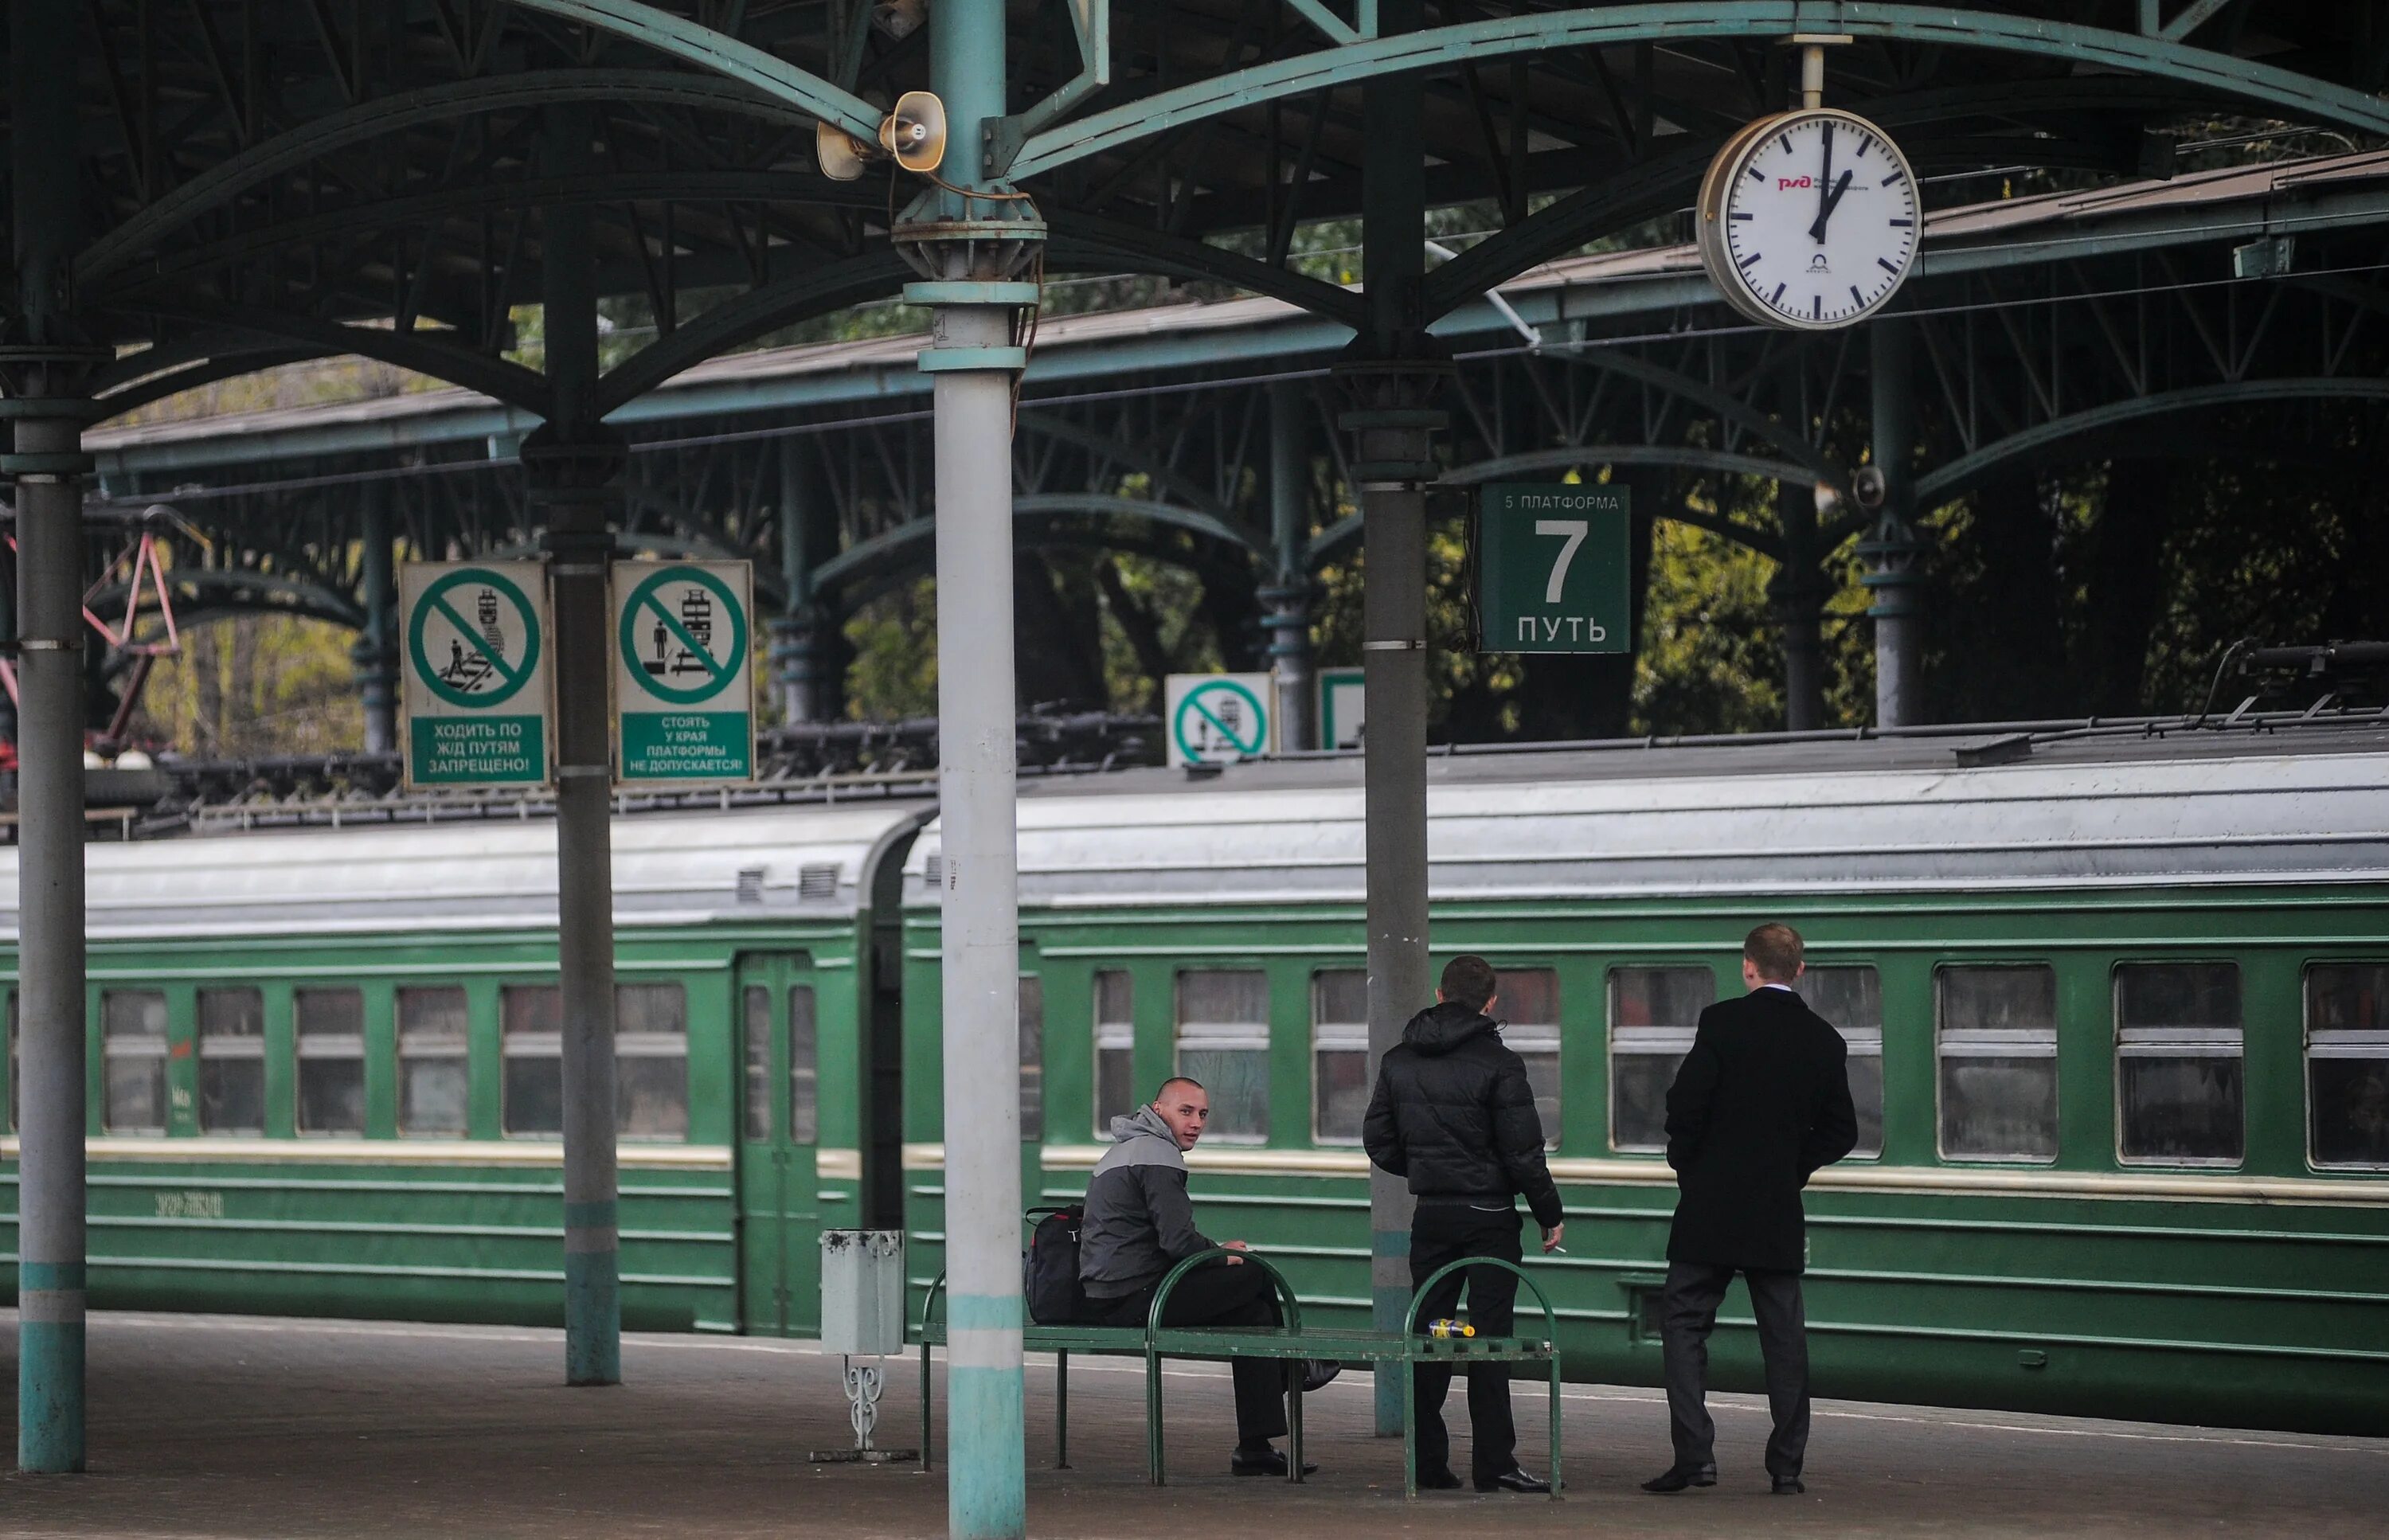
x=1817 y=226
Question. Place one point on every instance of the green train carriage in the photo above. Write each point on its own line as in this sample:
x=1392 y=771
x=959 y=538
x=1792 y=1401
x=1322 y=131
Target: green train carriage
x=323 y=1062
x=325 y=1066
x=2118 y=1018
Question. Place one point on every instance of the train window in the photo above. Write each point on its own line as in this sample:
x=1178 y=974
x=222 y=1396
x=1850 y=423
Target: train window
x=1653 y=1014
x=530 y=1022
x=432 y=1062
x=2180 y=1071
x=330 y=1031
x=650 y=1060
x=1032 y=1058
x=1339 y=1055
x=16 y=1077
x=1114 y=1049
x=1998 y=1063
x=1223 y=1031
x=755 y=1019
x=132 y=1059
x=1527 y=1000
x=232 y=1062
x=804 y=1066
x=1851 y=1000
x=2347 y=1064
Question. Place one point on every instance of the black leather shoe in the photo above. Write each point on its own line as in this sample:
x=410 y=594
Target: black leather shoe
x=1317 y=1372
x=1788 y=1486
x=1264 y=1462
x=1676 y=1478
x=1437 y=1480
x=1512 y=1480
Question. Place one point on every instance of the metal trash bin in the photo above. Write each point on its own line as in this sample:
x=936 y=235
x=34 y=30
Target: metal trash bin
x=862 y=1317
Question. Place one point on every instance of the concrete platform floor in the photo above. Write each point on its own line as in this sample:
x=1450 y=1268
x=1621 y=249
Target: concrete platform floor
x=246 y=1427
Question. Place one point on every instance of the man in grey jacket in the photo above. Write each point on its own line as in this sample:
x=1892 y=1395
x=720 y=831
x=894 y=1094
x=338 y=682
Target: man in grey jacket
x=1140 y=1223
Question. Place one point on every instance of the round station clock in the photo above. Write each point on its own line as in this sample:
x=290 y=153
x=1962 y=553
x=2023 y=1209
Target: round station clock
x=1809 y=220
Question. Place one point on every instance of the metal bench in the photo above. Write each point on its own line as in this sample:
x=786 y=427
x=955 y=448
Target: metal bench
x=1152 y=1343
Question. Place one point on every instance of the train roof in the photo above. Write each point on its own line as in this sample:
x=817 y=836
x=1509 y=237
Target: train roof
x=1953 y=810
x=766 y=865
x=1789 y=814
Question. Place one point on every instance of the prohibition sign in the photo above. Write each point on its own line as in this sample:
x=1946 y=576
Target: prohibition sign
x=511 y=677
x=1192 y=706
x=721 y=672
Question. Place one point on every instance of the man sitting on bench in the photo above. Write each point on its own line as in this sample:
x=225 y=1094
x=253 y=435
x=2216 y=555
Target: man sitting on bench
x=1140 y=1223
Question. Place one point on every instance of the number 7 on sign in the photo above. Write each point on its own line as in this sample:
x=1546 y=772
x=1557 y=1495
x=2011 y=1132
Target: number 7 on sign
x=1574 y=530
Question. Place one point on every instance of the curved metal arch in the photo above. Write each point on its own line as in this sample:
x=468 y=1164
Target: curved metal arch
x=207 y=371
x=874 y=275
x=202 y=593
x=1940 y=486
x=861 y=589
x=1681 y=20
x=1686 y=456
x=1153 y=251
x=494 y=377
x=1728 y=408
x=742 y=186
x=403 y=110
x=864 y=556
x=1173 y=483
x=719 y=54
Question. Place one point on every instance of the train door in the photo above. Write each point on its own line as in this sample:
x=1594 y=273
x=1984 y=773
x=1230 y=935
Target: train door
x=779 y=1217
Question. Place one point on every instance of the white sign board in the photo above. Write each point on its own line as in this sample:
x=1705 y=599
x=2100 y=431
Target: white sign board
x=1343 y=707
x=1218 y=719
x=684 y=671
x=475 y=662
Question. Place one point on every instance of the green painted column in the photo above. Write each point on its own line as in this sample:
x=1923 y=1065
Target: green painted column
x=572 y=466
x=42 y=367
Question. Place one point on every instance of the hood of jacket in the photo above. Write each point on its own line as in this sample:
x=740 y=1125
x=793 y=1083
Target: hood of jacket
x=1143 y=1123
x=1443 y=1026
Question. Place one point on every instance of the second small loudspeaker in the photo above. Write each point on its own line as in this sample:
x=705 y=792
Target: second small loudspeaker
x=913 y=136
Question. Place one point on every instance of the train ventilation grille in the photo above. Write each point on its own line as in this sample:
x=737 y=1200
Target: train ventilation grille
x=751 y=885
x=934 y=871
x=817 y=881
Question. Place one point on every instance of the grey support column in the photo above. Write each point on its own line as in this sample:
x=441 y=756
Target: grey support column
x=572 y=465
x=43 y=369
x=1892 y=547
x=375 y=654
x=970 y=237
x=1391 y=376
x=1289 y=598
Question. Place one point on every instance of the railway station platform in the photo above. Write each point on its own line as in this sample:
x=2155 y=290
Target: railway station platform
x=244 y=1427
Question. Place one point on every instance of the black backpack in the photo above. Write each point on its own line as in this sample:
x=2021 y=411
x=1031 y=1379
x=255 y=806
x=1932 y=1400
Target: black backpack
x=1049 y=1268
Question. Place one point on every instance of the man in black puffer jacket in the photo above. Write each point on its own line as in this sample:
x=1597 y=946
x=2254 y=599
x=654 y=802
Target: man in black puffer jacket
x=1453 y=1113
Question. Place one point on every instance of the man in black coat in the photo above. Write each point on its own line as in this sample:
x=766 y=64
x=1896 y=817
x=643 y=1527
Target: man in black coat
x=1453 y=1113
x=1761 y=1104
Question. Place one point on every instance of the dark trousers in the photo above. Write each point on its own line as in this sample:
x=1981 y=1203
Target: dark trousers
x=1443 y=1233
x=1689 y=1311
x=1217 y=1294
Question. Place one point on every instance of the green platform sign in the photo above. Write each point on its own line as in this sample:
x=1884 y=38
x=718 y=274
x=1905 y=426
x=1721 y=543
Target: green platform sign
x=476 y=675
x=1552 y=569
x=683 y=673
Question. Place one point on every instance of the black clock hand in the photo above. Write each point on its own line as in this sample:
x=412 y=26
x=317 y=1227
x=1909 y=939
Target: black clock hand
x=1824 y=187
x=1832 y=200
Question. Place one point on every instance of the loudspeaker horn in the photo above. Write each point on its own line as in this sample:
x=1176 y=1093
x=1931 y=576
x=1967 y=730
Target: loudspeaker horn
x=840 y=155
x=916 y=133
